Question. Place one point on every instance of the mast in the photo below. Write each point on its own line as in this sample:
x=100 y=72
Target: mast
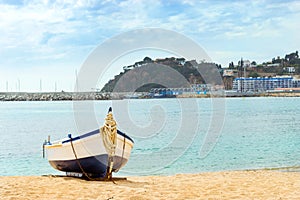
x=241 y=71
x=40 y=85
x=76 y=81
x=19 y=85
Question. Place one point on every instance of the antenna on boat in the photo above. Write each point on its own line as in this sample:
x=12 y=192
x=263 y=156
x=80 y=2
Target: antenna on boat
x=44 y=148
x=45 y=143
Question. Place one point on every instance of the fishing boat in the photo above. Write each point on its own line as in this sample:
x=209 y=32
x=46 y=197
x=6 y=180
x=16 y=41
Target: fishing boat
x=95 y=154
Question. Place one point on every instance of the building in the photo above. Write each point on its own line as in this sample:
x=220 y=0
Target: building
x=193 y=89
x=246 y=63
x=290 y=69
x=273 y=65
x=264 y=84
x=229 y=72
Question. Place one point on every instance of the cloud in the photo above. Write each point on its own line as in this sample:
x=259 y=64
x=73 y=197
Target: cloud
x=43 y=29
x=52 y=32
x=35 y=21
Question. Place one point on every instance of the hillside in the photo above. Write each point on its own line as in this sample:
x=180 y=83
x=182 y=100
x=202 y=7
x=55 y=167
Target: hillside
x=288 y=65
x=142 y=68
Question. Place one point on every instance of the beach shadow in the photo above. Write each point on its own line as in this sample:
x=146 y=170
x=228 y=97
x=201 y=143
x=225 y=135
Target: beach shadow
x=131 y=184
x=120 y=181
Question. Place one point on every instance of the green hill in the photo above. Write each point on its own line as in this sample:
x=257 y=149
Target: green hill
x=186 y=69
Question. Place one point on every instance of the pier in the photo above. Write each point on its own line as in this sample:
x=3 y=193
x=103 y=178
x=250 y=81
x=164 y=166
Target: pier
x=53 y=96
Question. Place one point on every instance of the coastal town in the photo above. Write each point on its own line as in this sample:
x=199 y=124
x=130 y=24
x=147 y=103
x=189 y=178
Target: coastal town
x=278 y=77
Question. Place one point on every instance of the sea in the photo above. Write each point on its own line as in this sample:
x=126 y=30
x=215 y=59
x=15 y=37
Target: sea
x=171 y=136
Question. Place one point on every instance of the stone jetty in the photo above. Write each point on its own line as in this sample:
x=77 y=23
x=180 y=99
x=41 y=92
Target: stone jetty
x=53 y=96
x=77 y=96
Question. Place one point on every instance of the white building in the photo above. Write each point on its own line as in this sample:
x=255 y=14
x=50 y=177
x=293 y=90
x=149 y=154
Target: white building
x=290 y=69
x=247 y=63
x=263 y=84
x=229 y=72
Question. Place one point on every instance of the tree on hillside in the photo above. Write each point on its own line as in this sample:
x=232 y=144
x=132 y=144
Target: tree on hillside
x=253 y=74
x=277 y=60
x=148 y=60
x=291 y=56
x=181 y=60
x=231 y=65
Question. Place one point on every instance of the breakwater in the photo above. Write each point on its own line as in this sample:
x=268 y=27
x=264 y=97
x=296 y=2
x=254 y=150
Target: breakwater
x=53 y=96
x=69 y=96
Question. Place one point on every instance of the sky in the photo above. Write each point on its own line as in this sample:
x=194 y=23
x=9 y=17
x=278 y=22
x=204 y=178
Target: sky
x=43 y=43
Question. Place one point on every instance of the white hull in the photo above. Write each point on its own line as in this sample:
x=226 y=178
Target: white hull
x=90 y=152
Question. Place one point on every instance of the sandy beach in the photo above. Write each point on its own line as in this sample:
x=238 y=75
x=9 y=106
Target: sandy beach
x=262 y=184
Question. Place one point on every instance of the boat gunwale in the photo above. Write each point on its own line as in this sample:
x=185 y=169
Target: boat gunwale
x=66 y=140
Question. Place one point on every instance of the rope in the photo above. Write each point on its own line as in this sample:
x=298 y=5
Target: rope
x=77 y=161
x=82 y=170
x=109 y=138
x=123 y=150
x=109 y=134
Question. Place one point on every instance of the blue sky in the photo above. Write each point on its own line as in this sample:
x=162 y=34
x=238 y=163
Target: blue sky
x=49 y=40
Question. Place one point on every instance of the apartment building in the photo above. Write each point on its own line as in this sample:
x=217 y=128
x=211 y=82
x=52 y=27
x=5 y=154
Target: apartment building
x=261 y=84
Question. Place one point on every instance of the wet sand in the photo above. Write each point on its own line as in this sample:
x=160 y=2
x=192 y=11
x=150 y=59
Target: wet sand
x=262 y=184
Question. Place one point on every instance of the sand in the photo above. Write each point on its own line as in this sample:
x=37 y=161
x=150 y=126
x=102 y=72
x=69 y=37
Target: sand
x=262 y=184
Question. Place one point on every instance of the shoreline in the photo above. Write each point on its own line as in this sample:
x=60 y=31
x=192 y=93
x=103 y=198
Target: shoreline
x=82 y=96
x=248 y=184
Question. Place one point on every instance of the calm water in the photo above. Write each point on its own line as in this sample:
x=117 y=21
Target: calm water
x=169 y=134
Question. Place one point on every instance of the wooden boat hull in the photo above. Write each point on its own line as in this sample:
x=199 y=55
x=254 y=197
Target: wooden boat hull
x=91 y=154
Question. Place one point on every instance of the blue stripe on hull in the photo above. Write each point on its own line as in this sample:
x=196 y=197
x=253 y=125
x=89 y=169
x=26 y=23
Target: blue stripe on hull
x=95 y=165
x=94 y=133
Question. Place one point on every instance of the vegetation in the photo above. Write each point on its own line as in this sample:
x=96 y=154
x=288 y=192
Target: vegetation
x=152 y=72
x=144 y=75
x=253 y=74
x=289 y=65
